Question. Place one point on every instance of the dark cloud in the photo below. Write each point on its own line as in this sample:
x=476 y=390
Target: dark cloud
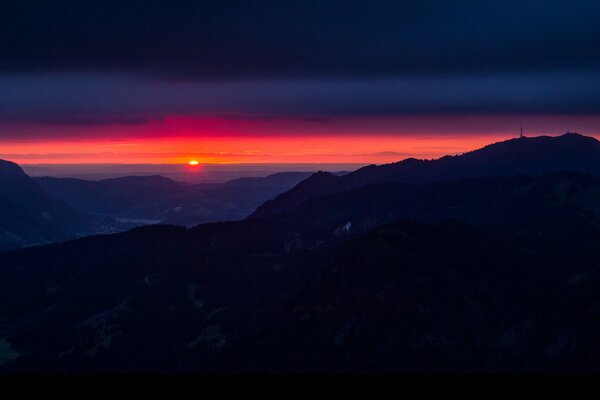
x=109 y=62
x=88 y=99
x=346 y=39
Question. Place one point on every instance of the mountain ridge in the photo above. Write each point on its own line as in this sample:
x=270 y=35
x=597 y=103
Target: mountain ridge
x=158 y=199
x=525 y=155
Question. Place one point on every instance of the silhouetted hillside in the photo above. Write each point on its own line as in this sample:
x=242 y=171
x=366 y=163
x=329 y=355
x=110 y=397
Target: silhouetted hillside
x=162 y=199
x=116 y=196
x=501 y=274
x=532 y=156
x=29 y=216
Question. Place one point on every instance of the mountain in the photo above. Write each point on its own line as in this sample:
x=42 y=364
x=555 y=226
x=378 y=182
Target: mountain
x=496 y=274
x=532 y=156
x=29 y=216
x=159 y=199
x=116 y=197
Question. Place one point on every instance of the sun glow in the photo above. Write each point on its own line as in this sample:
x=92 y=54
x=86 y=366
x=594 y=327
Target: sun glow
x=193 y=163
x=361 y=140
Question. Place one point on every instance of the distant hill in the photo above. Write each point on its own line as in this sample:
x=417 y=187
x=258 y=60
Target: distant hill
x=117 y=196
x=530 y=156
x=159 y=199
x=29 y=216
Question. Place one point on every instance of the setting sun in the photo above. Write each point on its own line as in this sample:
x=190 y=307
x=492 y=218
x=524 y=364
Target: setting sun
x=193 y=163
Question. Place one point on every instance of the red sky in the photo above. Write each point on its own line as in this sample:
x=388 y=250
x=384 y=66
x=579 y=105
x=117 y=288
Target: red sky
x=280 y=140
x=290 y=82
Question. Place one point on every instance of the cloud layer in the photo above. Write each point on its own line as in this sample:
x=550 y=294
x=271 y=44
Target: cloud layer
x=88 y=99
x=212 y=40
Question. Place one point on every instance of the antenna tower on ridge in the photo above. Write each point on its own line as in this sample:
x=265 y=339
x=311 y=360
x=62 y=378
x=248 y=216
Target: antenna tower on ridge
x=521 y=134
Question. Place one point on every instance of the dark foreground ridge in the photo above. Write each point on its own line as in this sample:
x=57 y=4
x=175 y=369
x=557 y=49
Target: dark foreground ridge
x=497 y=274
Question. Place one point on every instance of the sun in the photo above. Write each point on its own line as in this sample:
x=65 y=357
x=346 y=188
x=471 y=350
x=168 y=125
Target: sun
x=193 y=163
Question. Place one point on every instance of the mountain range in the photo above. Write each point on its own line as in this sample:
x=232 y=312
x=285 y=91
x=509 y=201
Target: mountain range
x=44 y=210
x=483 y=262
x=158 y=199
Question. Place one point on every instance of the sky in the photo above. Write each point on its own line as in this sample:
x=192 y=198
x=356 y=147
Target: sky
x=112 y=82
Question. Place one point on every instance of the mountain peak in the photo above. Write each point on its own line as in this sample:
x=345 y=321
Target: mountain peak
x=571 y=134
x=317 y=179
x=577 y=136
x=11 y=170
x=567 y=136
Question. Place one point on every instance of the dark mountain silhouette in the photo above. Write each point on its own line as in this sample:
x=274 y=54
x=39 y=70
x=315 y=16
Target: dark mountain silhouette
x=533 y=156
x=117 y=196
x=162 y=199
x=496 y=274
x=29 y=216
